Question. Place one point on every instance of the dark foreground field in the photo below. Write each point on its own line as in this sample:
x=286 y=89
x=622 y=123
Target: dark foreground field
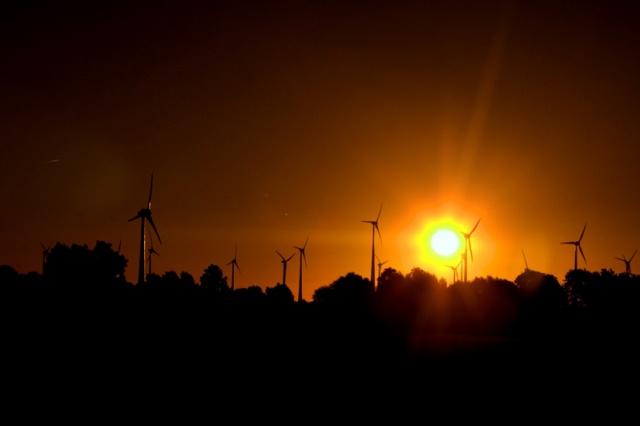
x=163 y=360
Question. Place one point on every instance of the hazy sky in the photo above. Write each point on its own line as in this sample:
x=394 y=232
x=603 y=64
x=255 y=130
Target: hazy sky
x=267 y=123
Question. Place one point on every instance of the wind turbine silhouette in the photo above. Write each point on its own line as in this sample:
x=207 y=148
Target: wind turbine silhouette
x=302 y=256
x=234 y=265
x=455 y=271
x=374 y=228
x=576 y=247
x=380 y=266
x=144 y=215
x=45 y=255
x=627 y=262
x=284 y=266
x=526 y=266
x=467 y=246
x=151 y=252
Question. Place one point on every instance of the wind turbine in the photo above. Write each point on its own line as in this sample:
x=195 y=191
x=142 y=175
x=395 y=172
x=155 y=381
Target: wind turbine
x=234 y=265
x=455 y=271
x=374 y=228
x=151 y=252
x=576 y=247
x=467 y=246
x=526 y=266
x=144 y=215
x=627 y=262
x=302 y=256
x=45 y=255
x=284 y=266
x=380 y=266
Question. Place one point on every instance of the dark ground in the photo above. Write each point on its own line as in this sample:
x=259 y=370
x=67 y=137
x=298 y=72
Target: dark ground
x=155 y=361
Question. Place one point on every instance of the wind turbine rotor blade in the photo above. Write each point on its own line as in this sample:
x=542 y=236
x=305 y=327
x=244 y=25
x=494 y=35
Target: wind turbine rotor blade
x=582 y=253
x=290 y=257
x=138 y=216
x=634 y=253
x=305 y=243
x=154 y=228
x=304 y=257
x=474 y=228
x=280 y=255
x=470 y=250
x=150 y=190
x=379 y=213
x=378 y=229
x=583 y=229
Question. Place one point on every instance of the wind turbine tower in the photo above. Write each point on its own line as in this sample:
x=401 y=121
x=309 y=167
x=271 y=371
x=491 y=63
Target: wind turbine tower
x=144 y=215
x=467 y=249
x=284 y=266
x=374 y=228
x=234 y=265
x=577 y=247
x=302 y=257
x=152 y=251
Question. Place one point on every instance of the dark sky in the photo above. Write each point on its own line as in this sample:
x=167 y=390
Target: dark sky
x=267 y=123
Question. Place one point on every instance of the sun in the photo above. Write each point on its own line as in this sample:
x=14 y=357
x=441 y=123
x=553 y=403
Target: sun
x=445 y=242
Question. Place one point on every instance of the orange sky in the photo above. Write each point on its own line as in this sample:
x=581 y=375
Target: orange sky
x=269 y=122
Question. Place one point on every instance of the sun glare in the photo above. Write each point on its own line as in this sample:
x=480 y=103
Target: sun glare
x=439 y=241
x=445 y=242
x=435 y=242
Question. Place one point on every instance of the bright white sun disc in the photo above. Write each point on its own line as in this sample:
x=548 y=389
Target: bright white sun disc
x=445 y=242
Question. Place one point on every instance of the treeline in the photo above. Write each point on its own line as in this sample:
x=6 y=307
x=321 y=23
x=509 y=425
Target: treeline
x=77 y=278
x=534 y=302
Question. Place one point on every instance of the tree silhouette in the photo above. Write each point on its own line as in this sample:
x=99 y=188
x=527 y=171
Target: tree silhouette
x=77 y=266
x=8 y=277
x=543 y=300
x=214 y=280
x=350 y=291
x=389 y=278
x=280 y=294
x=252 y=295
x=187 y=280
x=579 y=287
x=389 y=300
